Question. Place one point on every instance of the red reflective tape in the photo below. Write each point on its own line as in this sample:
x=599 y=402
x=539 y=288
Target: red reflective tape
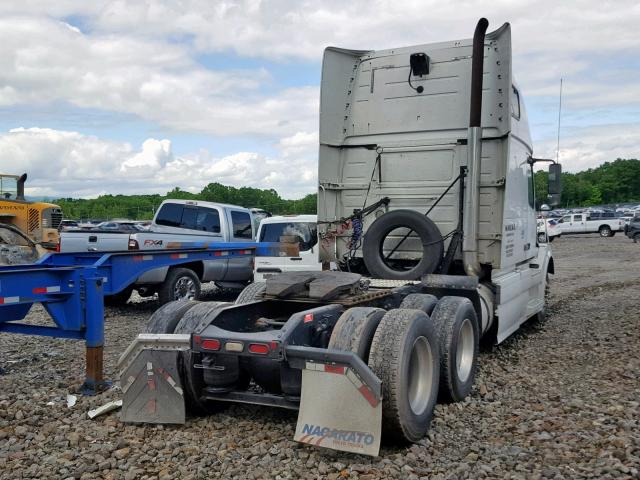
x=368 y=395
x=40 y=290
x=137 y=258
x=334 y=369
x=152 y=384
x=1 y=301
x=175 y=256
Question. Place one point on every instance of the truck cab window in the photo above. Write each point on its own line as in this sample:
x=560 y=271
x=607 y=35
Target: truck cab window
x=189 y=218
x=208 y=220
x=306 y=232
x=170 y=215
x=241 y=225
x=577 y=218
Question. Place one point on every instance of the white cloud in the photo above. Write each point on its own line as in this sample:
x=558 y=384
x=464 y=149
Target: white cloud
x=62 y=163
x=44 y=60
x=588 y=147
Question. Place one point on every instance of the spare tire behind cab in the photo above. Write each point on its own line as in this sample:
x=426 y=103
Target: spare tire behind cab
x=430 y=237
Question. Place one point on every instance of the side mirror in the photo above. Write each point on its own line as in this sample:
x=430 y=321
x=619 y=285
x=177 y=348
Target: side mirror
x=555 y=183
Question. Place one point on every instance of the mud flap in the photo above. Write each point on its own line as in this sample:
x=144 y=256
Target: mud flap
x=338 y=410
x=150 y=379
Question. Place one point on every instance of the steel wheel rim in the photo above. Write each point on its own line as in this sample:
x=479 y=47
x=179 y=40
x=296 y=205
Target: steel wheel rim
x=185 y=287
x=420 y=375
x=465 y=350
x=605 y=232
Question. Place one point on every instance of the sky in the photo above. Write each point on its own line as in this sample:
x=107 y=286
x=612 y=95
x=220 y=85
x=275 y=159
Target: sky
x=142 y=96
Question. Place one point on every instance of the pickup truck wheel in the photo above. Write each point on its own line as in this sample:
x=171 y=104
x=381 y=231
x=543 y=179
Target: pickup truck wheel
x=457 y=325
x=181 y=283
x=420 y=301
x=165 y=319
x=605 y=231
x=193 y=378
x=119 y=299
x=251 y=293
x=404 y=355
x=354 y=330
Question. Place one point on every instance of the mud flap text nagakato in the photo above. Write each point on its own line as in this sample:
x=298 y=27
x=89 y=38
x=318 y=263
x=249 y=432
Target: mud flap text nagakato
x=338 y=410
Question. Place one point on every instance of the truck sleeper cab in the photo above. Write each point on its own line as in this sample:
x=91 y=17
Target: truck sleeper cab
x=362 y=362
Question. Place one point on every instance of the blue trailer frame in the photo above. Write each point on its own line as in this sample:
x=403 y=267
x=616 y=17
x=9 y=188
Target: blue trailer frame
x=71 y=288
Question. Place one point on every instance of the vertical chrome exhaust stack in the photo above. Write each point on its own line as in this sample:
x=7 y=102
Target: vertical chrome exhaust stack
x=474 y=153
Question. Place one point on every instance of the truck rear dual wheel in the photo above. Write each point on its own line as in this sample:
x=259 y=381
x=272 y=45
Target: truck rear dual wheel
x=193 y=378
x=251 y=293
x=420 y=301
x=181 y=283
x=165 y=319
x=404 y=355
x=458 y=335
x=354 y=330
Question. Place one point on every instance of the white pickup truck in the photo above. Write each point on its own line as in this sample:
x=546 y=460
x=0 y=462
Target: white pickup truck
x=594 y=222
x=177 y=221
x=271 y=229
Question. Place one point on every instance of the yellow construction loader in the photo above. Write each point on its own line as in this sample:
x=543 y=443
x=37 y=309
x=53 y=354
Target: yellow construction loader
x=39 y=221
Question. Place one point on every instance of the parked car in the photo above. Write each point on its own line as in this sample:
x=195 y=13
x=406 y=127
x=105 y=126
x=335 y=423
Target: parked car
x=604 y=223
x=68 y=225
x=178 y=222
x=633 y=229
x=119 y=226
x=547 y=230
x=302 y=226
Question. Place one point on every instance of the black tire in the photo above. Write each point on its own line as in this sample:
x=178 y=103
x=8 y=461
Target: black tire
x=193 y=378
x=455 y=320
x=542 y=238
x=251 y=293
x=636 y=238
x=430 y=237
x=605 y=231
x=551 y=238
x=119 y=299
x=165 y=319
x=420 y=301
x=400 y=334
x=181 y=283
x=354 y=330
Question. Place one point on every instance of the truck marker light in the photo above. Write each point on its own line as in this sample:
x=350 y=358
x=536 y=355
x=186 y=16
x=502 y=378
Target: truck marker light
x=308 y=318
x=133 y=244
x=233 y=346
x=259 y=348
x=211 y=344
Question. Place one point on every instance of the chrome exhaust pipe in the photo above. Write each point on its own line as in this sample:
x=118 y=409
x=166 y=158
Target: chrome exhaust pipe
x=474 y=153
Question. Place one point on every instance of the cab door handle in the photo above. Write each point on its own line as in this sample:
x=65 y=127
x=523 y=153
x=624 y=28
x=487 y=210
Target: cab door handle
x=293 y=259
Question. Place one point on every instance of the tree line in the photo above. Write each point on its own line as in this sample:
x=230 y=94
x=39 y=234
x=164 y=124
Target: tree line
x=143 y=207
x=608 y=184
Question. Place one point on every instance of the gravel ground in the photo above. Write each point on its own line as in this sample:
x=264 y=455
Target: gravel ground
x=560 y=399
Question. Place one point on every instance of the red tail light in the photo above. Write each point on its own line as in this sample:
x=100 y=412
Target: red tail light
x=133 y=244
x=210 y=344
x=259 y=348
x=58 y=246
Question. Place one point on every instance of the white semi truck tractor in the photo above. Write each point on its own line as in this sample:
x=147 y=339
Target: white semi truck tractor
x=425 y=178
